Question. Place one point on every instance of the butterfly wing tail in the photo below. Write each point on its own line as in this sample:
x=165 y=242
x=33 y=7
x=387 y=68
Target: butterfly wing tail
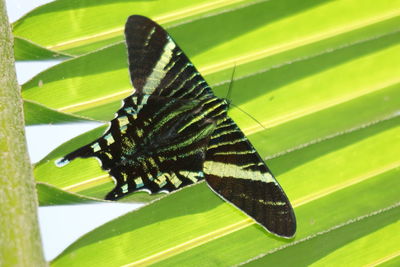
x=83 y=152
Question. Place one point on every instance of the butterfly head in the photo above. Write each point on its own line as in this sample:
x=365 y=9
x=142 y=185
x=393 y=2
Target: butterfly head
x=227 y=102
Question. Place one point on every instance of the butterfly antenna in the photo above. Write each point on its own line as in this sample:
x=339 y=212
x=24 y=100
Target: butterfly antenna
x=254 y=119
x=228 y=98
x=229 y=94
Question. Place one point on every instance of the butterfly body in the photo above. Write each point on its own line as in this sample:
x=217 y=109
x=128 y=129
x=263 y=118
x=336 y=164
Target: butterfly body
x=173 y=132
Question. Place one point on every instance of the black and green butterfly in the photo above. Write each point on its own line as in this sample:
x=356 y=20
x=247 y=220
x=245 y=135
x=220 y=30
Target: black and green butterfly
x=173 y=131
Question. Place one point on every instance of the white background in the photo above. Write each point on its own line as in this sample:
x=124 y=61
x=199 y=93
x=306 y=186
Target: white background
x=60 y=225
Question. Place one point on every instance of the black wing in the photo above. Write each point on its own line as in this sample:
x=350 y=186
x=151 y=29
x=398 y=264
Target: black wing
x=157 y=65
x=235 y=171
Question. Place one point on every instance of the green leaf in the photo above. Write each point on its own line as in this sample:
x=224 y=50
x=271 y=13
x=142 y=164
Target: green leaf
x=101 y=21
x=38 y=114
x=391 y=260
x=370 y=238
x=79 y=82
x=26 y=50
x=50 y=195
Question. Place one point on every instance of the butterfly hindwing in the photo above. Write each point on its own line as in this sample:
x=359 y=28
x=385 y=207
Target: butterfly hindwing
x=235 y=171
x=157 y=65
x=162 y=151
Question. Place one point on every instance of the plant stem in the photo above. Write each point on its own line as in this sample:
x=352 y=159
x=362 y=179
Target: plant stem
x=20 y=243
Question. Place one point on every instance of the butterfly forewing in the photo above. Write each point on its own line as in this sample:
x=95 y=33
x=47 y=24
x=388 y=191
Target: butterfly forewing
x=172 y=132
x=157 y=65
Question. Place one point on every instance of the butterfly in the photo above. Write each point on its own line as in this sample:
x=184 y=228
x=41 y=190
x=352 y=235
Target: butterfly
x=173 y=132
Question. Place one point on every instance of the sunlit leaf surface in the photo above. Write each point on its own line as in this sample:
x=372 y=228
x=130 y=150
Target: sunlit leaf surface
x=91 y=24
x=26 y=50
